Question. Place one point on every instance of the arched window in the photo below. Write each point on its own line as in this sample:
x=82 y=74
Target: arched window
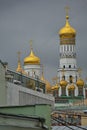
x=64 y=77
x=71 y=93
x=63 y=91
x=69 y=66
x=80 y=91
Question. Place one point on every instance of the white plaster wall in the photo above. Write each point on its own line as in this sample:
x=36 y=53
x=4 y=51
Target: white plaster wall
x=67 y=73
x=30 y=69
x=67 y=62
x=19 y=95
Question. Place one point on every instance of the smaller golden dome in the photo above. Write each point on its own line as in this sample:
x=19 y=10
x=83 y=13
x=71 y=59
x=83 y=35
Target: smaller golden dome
x=63 y=83
x=80 y=83
x=19 y=68
x=71 y=87
x=31 y=59
x=48 y=85
x=56 y=87
x=67 y=30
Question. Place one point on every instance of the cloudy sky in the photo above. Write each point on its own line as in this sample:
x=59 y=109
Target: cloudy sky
x=40 y=20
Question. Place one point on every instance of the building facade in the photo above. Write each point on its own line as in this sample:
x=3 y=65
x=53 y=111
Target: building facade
x=19 y=89
x=32 y=64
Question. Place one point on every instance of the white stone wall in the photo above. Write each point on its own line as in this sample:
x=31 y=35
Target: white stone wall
x=67 y=73
x=2 y=85
x=19 y=95
x=33 y=70
x=67 y=62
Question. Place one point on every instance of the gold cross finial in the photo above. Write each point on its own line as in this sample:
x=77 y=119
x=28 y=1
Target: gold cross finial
x=30 y=44
x=19 y=55
x=79 y=71
x=55 y=79
x=67 y=10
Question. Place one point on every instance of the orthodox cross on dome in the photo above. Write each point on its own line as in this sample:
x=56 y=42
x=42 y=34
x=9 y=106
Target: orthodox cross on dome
x=55 y=79
x=19 y=53
x=67 y=10
x=31 y=44
x=79 y=71
x=19 y=68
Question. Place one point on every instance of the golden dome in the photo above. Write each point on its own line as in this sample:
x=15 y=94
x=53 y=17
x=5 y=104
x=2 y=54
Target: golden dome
x=56 y=87
x=31 y=59
x=63 y=83
x=71 y=87
x=80 y=83
x=67 y=30
x=19 y=69
x=48 y=85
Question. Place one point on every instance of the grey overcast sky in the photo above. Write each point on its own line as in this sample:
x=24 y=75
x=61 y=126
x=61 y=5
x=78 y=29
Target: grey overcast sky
x=40 y=20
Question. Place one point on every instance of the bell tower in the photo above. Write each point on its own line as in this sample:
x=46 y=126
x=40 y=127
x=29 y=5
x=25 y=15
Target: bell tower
x=67 y=51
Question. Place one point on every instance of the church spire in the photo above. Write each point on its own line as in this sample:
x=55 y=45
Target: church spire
x=19 y=68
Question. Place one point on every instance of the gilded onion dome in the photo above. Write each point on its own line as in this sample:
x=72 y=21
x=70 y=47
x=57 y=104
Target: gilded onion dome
x=71 y=87
x=63 y=83
x=67 y=31
x=48 y=85
x=32 y=58
x=80 y=82
x=56 y=87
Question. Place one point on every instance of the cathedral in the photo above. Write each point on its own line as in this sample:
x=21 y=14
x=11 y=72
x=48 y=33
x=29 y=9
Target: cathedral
x=33 y=68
